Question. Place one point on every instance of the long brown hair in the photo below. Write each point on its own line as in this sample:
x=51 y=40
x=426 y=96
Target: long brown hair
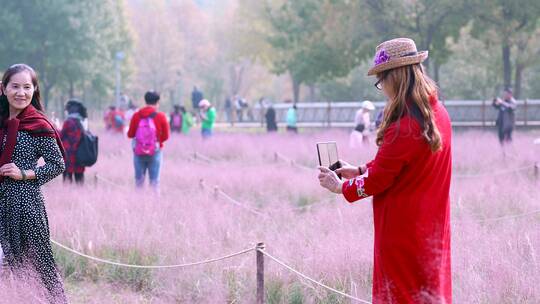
x=410 y=87
x=36 y=98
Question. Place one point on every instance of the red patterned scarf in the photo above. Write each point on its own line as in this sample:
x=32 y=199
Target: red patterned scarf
x=31 y=121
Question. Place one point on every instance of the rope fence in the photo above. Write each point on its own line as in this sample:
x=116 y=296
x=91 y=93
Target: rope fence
x=503 y=217
x=499 y=172
x=535 y=167
x=259 y=248
x=113 y=263
x=98 y=177
x=308 y=278
x=218 y=191
x=278 y=156
x=199 y=156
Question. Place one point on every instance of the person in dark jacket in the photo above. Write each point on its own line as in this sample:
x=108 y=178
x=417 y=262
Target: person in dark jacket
x=196 y=97
x=71 y=133
x=270 y=115
x=506 y=116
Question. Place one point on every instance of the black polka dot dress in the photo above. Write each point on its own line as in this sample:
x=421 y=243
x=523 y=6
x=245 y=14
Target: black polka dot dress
x=24 y=227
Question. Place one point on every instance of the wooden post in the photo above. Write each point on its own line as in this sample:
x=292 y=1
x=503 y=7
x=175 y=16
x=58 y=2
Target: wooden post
x=483 y=113
x=216 y=191
x=201 y=184
x=260 y=274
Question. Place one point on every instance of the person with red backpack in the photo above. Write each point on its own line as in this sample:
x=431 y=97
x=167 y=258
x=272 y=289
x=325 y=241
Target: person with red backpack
x=149 y=130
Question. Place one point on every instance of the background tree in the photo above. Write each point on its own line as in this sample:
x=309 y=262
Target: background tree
x=511 y=25
x=70 y=43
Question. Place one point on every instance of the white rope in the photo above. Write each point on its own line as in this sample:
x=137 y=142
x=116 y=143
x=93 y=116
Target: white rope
x=293 y=162
x=493 y=173
x=310 y=279
x=504 y=217
x=104 y=261
x=232 y=200
x=197 y=156
x=110 y=182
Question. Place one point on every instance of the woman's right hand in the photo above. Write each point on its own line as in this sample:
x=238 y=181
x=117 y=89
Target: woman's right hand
x=347 y=170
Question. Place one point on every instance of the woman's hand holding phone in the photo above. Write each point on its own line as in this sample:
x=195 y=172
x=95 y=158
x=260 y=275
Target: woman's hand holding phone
x=347 y=170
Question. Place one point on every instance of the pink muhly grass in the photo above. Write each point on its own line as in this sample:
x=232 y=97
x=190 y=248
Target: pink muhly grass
x=311 y=229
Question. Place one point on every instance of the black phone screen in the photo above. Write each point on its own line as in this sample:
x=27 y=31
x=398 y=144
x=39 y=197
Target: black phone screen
x=328 y=156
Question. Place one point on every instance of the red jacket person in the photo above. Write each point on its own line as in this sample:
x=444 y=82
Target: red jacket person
x=409 y=180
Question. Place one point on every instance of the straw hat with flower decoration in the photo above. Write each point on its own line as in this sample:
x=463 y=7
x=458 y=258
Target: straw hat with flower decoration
x=396 y=53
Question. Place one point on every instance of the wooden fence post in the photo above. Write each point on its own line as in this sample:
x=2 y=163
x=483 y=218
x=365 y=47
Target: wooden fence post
x=260 y=274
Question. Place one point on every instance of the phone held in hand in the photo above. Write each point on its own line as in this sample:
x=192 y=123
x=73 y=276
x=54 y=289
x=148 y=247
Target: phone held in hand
x=328 y=155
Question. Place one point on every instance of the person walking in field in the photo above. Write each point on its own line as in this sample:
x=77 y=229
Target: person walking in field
x=506 y=117
x=149 y=129
x=187 y=120
x=27 y=135
x=208 y=117
x=409 y=180
x=176 y=119
x=71 y=134
x=291 y=119
x=362 y=125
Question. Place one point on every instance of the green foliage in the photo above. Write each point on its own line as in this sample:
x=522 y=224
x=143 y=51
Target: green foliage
x=314 y=40
x=75 y=268
x=274 y=291
x=70 y=43
x=296 y=295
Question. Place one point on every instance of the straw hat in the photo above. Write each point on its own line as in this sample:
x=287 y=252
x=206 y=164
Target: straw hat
x=396 y=53
x=368 y=105
x=204 y=104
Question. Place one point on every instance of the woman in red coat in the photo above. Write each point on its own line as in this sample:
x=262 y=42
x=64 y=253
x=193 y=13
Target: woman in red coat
x=409 y=180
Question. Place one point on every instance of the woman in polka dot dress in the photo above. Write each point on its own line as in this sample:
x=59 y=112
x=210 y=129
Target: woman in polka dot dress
x=26 y=135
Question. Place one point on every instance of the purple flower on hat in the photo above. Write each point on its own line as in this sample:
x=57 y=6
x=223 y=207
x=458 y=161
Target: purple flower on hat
x=381 y=57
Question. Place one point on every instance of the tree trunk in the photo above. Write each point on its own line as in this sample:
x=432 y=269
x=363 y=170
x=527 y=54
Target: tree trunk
x=436 y=69
x=71 y=89
x=45 y=97
x=312 y=93
x=507 y=65
x=518 y=77
x=296 y=89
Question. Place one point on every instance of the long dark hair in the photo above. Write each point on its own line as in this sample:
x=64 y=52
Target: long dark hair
x=410 y=83
x=36 y=98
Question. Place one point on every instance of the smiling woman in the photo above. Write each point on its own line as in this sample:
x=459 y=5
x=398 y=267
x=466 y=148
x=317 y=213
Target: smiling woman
x=27 y=135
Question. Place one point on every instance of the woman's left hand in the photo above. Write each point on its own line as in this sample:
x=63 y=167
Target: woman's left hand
x=329 y=180
x=11 y=170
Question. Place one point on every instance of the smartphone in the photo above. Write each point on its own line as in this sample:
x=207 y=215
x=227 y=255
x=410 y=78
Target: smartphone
x=328 y=155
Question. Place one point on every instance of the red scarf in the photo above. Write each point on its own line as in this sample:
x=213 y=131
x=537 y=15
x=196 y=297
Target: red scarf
x=31 y=121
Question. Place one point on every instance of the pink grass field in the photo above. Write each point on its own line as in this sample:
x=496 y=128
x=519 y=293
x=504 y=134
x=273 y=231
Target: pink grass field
x=495 y=256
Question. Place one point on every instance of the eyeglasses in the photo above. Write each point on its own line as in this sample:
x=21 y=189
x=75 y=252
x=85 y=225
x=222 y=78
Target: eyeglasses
x=378 y=84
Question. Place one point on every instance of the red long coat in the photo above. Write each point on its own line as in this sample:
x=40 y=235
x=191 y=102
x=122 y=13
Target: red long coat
x=411 y=209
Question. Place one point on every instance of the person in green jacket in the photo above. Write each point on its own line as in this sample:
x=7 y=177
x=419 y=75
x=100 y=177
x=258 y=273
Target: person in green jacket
x=291 y=119
x=187 y=120
x=208 y=117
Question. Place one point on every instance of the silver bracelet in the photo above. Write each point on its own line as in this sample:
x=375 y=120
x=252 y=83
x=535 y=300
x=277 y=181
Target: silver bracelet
x=23 y=174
